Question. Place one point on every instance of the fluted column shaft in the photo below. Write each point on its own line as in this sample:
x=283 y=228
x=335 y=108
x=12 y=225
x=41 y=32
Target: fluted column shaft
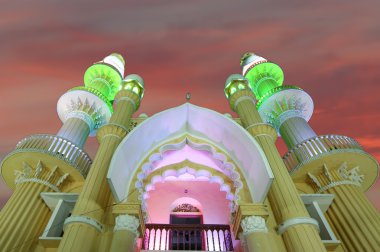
x=295 y=130
x=75 y=130
x=354 y=219
x=125 y=233
x=24 y=217
x=92 y=202
x=257 y=237
x=283 y=195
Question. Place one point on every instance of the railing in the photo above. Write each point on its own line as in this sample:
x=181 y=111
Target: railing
x=313 y=147
x=187 y=237
x=59 y=148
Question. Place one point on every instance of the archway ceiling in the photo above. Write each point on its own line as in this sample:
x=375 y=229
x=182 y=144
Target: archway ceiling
x=201 y=123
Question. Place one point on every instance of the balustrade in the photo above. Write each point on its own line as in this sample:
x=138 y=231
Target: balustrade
x=187 y=237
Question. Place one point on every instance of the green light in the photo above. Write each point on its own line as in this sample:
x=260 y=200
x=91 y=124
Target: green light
x=135 y=84
x=272 y=92
x=104 y=78
x=136 y=90
x=232 y=90
x=264 y=77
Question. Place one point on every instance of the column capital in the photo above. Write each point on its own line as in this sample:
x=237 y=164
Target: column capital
x=113 y=130
x=253 y=224
x=247 y=210
x=241 y=95
x=262 y=129
x=127 y=222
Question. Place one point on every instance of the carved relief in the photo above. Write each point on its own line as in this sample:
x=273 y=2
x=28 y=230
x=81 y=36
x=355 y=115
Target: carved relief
x=253 y=224
x=127 y=222
x=335 y=177
x=42 y=175
x=186 y=208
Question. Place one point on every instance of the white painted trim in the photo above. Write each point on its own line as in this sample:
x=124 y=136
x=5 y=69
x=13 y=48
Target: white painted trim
x=39 y=181
x=124 y=98
x=86 y=220
x=296 y=221
x=243 y=98
x=337 y=183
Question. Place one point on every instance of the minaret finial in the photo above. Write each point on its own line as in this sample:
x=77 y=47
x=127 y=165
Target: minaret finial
x=188 y=96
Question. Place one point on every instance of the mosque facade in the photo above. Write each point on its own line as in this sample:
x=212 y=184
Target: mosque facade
x=188 y=178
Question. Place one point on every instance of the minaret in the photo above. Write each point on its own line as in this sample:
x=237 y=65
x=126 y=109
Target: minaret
x=82 y=228
x=84 y=109
x=55 y=163
x=299 y=231
x=326 y=164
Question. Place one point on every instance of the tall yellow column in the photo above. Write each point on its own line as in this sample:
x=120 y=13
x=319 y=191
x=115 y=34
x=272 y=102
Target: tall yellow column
x=83 y=226
x=125 y=233
x=25 y=215
x=256 y=234
x=300 y=232
x=354 y=219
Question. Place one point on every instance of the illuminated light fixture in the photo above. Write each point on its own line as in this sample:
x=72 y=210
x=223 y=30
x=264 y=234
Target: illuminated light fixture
x=234 y=83
x=106 y=75
x=274 y=91
x=135 y=84
x=262 y=74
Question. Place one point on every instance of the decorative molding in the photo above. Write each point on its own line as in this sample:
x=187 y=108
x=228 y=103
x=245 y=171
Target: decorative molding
x=285 y=104
x=111 y=130
x=84 y=219
x=128 y=99
x=352 y=174
x=186 y=208
x=296 y=221
x=127 y=222
x=333 y=184
x=253 y=224
x=50 y=178
x=89 y=113
x=226 y=167
x=243 y=98
x=85 y=105
x=285 y=116
x=343 y=176
x=82 y=116
x=262 y=129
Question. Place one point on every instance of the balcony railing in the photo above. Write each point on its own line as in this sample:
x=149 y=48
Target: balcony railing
x=187 y=237
x=58 y=147
x=316 y=146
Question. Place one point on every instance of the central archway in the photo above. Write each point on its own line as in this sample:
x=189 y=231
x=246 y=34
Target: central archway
x=201 y=123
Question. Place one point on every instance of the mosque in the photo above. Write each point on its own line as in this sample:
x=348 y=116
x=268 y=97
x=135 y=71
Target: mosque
x=188 y=178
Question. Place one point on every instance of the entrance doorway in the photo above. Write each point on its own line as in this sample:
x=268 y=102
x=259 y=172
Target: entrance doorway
x=187 y=234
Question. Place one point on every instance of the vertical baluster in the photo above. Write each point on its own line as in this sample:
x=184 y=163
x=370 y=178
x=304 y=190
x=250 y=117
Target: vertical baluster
x=177 y=236
x=226 y=248
x=160 y=237
x=146 y=239
x=167 y=239
x=207 y=243
x=213 y=240
x=154 y=237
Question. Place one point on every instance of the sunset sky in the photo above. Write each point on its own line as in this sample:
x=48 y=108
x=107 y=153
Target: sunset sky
x=331 y=49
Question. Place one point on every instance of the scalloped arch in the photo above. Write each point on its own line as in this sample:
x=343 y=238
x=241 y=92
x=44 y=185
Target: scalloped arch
x=204 y=124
